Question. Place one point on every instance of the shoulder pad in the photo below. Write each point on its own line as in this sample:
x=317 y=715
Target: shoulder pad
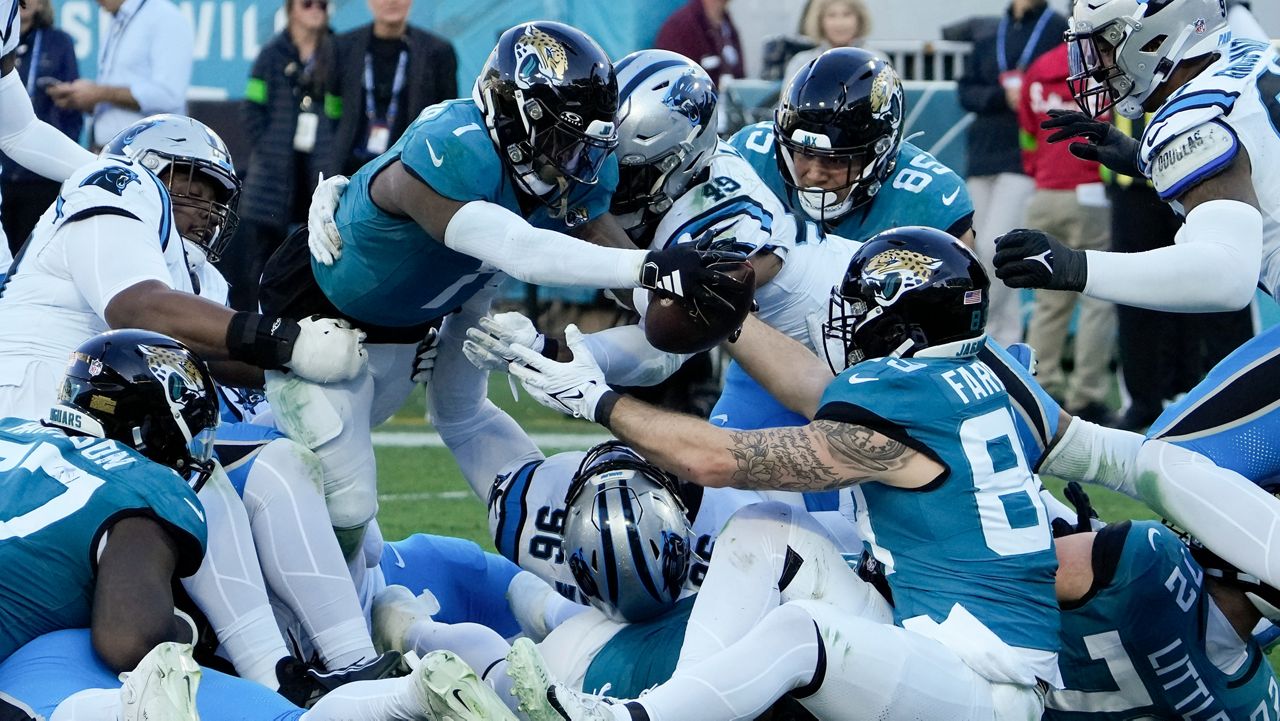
x=114 y=185
x=732 y=202
x=1186 y=110
x=451 y=151
x=1191 y=157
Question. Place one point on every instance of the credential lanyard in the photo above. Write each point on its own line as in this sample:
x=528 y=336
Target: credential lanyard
x=34 y=59
x=397 y=85
x=1002 y=37
x=117 y=33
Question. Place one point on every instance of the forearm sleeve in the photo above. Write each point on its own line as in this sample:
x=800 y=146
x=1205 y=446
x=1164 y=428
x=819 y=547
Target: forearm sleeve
x=627 y=359
x=1213 y=267
x=30 y=142
x=506 y=241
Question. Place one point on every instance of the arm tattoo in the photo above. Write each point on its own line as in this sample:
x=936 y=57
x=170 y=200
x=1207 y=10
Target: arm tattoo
x=820 y=456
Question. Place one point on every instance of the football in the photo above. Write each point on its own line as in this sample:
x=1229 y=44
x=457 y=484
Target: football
x=674 y=325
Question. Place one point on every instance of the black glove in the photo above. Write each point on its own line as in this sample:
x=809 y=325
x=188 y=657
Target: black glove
x=1035 y=259
x=689 y=271
x=1106 y=144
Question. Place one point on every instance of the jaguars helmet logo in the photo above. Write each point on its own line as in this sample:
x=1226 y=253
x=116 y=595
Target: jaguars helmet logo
x=113 y=179
x=886 y=91
x=539 y=56
x=176 y=372
x=896 y=271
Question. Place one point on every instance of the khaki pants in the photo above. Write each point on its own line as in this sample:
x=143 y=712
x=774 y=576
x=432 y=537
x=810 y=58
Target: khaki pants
x=1060 y=214
x=998 y=205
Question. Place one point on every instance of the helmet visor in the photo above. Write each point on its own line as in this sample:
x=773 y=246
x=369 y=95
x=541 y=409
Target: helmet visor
x=640 y=184
x=574 y=155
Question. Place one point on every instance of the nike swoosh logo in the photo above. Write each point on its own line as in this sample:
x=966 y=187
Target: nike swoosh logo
x=194 y=508
x=949 y=199
x=436 y=159
x=399 y=558
x=1152 y=535
x=855 y=380
x=576 y=395
x=461 y=702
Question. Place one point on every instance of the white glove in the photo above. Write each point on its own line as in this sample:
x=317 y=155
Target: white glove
x=424 y=363
x=489 y=347
x=322 y=232
x=574 y=388
x=327 y=350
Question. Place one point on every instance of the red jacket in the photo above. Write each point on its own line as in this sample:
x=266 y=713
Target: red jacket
x=688 y=31
x=1044 y=88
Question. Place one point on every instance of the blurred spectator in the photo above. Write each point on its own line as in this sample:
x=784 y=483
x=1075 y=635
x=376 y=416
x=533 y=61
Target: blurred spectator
x=144 y=68
x=289 y=142
x=830 y=24
x=702 y=30
x=45 y=56
x=1161 y=355
x=1070 y=203
x=991 y=87
x=387 y=72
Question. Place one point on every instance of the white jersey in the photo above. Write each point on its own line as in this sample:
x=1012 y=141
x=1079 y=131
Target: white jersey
x=57 y=291
x=733 y=202
x=527 y=511
x=10 y=31
x=1198 y=132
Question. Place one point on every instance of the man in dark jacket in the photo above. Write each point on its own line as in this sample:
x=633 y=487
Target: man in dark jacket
x=386 y=73
x=990 y=88
x=703 y=31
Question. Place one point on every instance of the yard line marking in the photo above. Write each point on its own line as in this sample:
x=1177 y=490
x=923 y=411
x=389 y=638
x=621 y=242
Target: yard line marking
x=423 y=439
x=426 y=496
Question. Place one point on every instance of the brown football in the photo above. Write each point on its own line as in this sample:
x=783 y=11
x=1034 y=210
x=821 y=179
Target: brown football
x=671 y=326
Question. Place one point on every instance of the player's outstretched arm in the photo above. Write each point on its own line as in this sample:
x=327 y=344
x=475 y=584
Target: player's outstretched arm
x=29 y=141
x=133 y=597
x=1213 y=267
x=822 y=455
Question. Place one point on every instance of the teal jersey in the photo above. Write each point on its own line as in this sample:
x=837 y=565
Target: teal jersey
x=58 y=495
x=1136 y=647
x=978 y=536
x=921 y=190
x=392 y=273
x=641 y=655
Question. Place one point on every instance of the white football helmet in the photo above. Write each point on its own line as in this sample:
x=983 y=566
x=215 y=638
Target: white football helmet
x=1122 y=51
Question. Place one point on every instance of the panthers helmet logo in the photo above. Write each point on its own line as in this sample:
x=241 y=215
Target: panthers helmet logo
x=895 y=272
x=691 y=98
x=113 y=179
x=886 y=93
x=539 y=56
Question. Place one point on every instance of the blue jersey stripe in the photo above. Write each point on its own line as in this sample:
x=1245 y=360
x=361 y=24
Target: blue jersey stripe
x=515 y=511
x=10 y=24
x=166 y=212
x=743 y=205
x=1202 y=99
x=644 y=75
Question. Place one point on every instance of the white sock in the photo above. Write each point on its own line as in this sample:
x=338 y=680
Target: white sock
x=537 y=606
x=230 y=590
x=1224 y=510
x=93 y=704
x=299 y=554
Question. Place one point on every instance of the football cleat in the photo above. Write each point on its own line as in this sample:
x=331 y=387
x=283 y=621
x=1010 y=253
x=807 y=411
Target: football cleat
x=162 y=687
x=453 y=691
x=304 y=685
x=395 y=610
x=541 y=698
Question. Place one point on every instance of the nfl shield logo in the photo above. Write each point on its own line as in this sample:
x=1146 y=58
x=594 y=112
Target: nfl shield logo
x=95 y=367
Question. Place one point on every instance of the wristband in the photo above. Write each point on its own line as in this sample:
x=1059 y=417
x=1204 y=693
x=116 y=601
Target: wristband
x=604 y=407
x=260 y=340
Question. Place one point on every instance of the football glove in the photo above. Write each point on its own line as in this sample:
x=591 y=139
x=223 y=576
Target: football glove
x=489 y=345
x=1104 y=142
x=1035 y=259
x=424 y=360
x=573 y=388
x=687 y=271
x=322 y=232
x=327 y=350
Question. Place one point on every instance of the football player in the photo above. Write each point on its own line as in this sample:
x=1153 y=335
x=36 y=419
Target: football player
x=29 y=141
x=1208 y=151
x=1148 y=633
x=910 y=319
x=100 y=505
x=475 y=189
